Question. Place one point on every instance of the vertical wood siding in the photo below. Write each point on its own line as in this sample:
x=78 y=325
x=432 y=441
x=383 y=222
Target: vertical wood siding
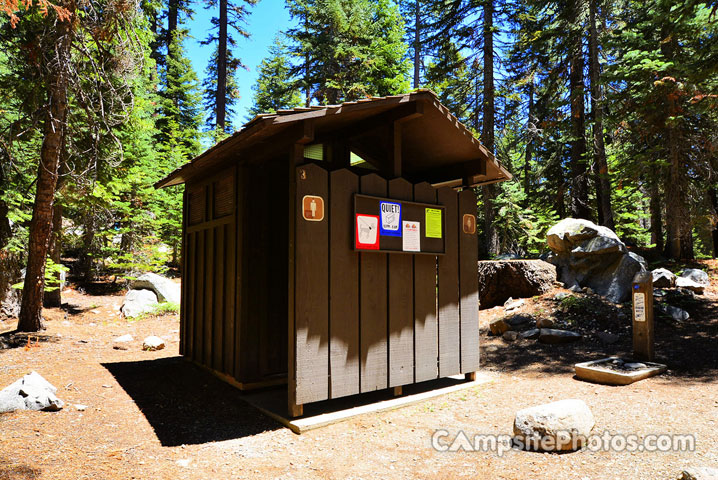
x=369 y=321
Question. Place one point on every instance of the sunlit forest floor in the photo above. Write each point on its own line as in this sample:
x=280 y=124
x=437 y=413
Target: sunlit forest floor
x=153 y=415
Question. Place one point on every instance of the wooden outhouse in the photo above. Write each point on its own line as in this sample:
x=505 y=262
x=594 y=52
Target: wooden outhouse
x=334 y=248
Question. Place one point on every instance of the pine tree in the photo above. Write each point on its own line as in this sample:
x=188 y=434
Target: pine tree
x=220 y=86
x=96 y=79
x=180 y=115
x=274 y=89
x=347 y=50
x=664 y=70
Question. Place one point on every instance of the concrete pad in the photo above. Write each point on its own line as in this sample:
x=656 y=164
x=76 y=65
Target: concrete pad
x=596 y=372
x=273 y=403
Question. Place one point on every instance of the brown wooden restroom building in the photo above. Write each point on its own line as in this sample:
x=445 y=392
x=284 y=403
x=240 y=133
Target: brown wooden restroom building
x=334 y=248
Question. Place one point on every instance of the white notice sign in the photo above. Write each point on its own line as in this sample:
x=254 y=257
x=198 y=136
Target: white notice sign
x=639 y=307
x=411 y=238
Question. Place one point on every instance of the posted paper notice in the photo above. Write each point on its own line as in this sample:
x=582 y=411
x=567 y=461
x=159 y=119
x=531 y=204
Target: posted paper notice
x=411 y=238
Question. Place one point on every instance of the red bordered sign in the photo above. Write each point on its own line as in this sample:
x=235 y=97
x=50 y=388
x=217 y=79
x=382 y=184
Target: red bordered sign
x=366 y=232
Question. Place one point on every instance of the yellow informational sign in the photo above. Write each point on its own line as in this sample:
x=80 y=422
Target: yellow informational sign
x=433 y=223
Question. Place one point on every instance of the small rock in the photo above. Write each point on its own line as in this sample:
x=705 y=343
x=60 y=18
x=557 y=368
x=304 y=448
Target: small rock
x=31 y=392
x=124 y=338
x=499 y=326
x=663 y=278
x=698 y=276
x=80 y=408
x=575 y=289
x=557 y=426
x=561 y=295
x=545 y=323
x=608 y=338
x=634 y=366
x=532 y=334
x=553 y=336
x=677 y=314
x=588 y=291
x=120 y=347
x=658 y=294
x=699 y=473
x=682 y=282
x=512 y=304
x=152 y=343
x=510 y=336
x=517 y=320
x=184 y=462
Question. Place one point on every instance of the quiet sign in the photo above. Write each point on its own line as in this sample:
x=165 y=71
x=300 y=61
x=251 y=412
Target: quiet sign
x=390 y=218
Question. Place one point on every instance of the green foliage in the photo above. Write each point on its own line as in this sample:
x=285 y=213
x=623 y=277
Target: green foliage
x=52 y=276
x=274 y=89
x=521 y=229
x=237 y=15
x=347 y=49
x=166 y=308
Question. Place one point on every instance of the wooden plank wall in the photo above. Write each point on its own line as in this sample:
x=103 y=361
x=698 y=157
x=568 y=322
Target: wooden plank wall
x=208 y=321
x=368 y=321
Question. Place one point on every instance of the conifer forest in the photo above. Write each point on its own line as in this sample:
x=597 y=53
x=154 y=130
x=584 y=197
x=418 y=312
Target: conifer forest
x=604 y=110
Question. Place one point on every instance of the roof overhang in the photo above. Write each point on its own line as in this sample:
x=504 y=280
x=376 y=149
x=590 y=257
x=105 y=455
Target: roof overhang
x=436 y=147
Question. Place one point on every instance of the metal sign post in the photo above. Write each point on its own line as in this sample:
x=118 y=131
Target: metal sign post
x=642 y=296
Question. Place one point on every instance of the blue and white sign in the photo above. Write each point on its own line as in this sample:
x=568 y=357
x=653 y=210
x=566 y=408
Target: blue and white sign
x=390 y=219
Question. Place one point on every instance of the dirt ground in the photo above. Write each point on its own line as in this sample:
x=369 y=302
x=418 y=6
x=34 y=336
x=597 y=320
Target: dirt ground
x=153 y=415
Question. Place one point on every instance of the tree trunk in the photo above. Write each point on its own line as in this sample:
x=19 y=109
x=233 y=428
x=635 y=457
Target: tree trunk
x=41 y=224
x=655 y=207
x=222 y=67
x=579 y=180
x=417 y=44
x=487 y=129
x=53 y=298
x=529 y=145
x=172 y=21
x=603 y=182
x=86 y=255
x=9 y=264
x=679 y=243
x=714 y=200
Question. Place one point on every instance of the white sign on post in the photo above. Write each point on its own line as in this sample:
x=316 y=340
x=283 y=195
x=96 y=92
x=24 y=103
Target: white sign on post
x=639 y=306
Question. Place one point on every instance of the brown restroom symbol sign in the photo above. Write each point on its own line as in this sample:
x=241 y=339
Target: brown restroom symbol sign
x=313 y=208
x=469 y=224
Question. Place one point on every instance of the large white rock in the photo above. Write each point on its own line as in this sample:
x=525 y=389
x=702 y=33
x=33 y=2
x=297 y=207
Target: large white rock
x=558 y=426
x=589 y=255
x=698 y=276
x=138 y=302
x=166 y=289
x=663 y=278
x=683 y=282
x=31 y=392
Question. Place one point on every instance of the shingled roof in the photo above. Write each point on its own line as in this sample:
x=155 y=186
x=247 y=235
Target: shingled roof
x=436 y=146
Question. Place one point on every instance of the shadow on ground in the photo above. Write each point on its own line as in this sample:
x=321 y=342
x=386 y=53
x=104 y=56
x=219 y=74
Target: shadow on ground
x=10 y=471
x=689 y=348
x=186 y=405
x=14 y=339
